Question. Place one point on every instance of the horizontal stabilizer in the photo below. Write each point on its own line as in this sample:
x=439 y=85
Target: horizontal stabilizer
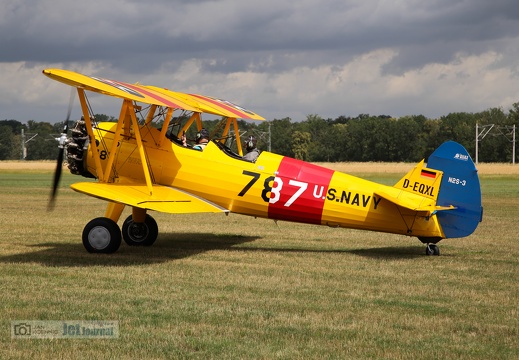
x=164 y=199
x=410 y=201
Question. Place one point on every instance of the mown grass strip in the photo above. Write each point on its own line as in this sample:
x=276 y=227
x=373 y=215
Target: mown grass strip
x=238 y=287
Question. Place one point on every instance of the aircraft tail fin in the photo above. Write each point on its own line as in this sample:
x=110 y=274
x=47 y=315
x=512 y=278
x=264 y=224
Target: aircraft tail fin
x=421 y=181
x=459 y=188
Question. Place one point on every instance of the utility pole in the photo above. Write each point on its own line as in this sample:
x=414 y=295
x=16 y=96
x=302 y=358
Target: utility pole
x=513 y=147
x=270 y=148
x=22 y=156
x=484 y=132
x=506 y=131
x=24 y=148
x=261 y=135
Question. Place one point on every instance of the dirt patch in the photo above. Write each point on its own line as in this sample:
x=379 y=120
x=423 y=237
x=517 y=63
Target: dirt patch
x=27 y=165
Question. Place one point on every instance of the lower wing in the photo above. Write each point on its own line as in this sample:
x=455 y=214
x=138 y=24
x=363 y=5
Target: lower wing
x=164 y=199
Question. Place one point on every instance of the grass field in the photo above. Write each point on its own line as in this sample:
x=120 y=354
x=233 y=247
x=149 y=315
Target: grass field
x=236 y=287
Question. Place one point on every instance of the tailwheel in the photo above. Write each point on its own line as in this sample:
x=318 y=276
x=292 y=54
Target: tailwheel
x=432 y=249
x=140 y=234
x=102 y=235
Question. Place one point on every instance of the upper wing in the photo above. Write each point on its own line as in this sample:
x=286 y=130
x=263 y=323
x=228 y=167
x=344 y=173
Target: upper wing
x=228 y=106
x=211 y=105
x=119 y=89
x=164 y=199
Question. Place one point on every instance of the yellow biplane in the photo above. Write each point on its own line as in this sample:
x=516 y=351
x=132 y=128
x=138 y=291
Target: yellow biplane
x=141 y=162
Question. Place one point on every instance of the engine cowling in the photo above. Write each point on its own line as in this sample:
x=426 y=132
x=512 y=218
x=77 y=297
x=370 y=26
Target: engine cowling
x=76 y=147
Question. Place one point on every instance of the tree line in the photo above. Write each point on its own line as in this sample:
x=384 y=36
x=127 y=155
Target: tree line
x=379 y=138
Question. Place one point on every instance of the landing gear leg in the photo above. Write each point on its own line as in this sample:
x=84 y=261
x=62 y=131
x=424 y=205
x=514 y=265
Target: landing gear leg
x=432 y=249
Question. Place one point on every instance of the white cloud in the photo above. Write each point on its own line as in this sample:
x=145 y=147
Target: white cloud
x=281 y=59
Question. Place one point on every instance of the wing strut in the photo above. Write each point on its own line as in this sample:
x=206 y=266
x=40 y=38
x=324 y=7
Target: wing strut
x=90 y=130
x=117 y=136
x=225 y=133
x=237 y=133
x=151 y=114
x=165 y=126
x=195 y=117
x=142 y=153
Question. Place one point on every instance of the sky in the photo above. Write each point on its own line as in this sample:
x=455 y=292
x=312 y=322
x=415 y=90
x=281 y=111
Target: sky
x=278 y=58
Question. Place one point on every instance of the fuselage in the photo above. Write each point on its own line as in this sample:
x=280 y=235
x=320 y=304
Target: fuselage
x=275 y=187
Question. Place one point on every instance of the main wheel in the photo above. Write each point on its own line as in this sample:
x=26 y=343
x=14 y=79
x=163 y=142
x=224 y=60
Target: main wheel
x=102 y=235
x=140 y=234
x=432 y=249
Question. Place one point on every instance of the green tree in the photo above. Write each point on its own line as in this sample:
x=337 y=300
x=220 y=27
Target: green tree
x=408 y=139
x=300 y=143
x=513 y=114
x=319 y=129
x=366 y=138
x=10 y=139
x=44 y=145
x=338 y=142
x=281 y=136
x=105 y=118
x=6 y=142
x=494 y=147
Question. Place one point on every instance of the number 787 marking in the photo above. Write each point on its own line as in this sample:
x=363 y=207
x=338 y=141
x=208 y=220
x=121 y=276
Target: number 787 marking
x=275 y=190
x=255 y=177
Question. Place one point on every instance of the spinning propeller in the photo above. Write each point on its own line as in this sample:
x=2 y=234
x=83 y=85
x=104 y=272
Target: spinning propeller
x=61 y=146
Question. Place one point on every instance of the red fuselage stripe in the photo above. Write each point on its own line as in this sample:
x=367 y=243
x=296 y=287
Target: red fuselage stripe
x=307 y=206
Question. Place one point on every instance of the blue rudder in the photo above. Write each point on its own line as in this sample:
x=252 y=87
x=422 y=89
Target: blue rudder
x=460 y=187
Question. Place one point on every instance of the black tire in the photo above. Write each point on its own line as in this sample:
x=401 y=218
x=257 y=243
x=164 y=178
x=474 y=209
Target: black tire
x=102 y=235
x=432 y=249
x=140 y=234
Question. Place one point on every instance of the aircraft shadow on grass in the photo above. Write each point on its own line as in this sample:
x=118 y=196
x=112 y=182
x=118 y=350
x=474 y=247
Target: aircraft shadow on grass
x=178 y=246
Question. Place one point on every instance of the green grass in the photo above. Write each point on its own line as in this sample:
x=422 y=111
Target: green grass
x=236 y=287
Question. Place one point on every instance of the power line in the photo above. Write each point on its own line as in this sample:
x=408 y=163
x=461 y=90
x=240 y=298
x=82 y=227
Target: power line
x=506 y=131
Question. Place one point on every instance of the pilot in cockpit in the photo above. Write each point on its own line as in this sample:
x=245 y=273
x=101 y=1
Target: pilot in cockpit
x=201 y=140
x=252 y=150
